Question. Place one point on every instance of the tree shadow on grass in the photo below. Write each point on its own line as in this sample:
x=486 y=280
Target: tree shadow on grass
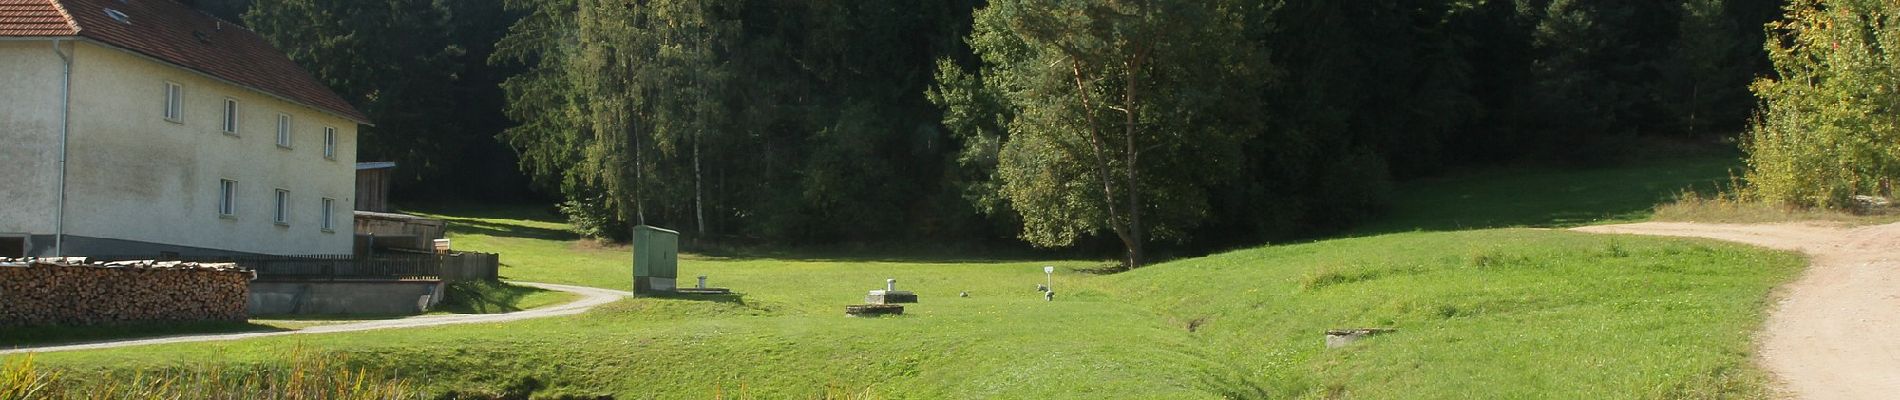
x=468 y=226
x=890 y=253
x=1537 y=197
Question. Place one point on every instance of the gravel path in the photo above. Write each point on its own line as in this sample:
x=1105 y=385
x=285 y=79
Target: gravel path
x=590 y=297
x=1836 y=332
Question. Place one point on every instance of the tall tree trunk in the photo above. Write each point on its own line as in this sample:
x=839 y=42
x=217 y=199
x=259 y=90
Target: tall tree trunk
x=639 y=183
x=699 y=193
x=1099 y=145
x=1129 y=129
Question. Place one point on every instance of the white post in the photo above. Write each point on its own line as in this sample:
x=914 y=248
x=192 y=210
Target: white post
x=1049 y=273
x=890 y=285
x=702 y=281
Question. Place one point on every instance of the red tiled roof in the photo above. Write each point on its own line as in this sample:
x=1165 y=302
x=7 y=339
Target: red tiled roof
x=173 y=32
x=33 y=18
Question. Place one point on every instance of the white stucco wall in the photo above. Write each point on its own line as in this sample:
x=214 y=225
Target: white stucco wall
x=135 y=176
x=30 y=78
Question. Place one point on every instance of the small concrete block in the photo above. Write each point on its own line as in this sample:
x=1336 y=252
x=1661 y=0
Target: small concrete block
x=1341 y=337
x=890 y=297
x=873 y=310
x=703 y=291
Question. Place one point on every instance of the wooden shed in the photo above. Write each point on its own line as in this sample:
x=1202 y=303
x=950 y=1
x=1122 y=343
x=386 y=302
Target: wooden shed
x=372 y=185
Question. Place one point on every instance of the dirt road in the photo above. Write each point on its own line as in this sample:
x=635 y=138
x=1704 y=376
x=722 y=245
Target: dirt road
x=1836 y=332
x=590 y=297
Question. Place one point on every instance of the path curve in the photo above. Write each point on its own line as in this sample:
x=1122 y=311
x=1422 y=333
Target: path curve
x=590 y=298
x=1835 y=333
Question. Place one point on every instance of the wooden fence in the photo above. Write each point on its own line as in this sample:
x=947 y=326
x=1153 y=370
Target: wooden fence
x=448 y=267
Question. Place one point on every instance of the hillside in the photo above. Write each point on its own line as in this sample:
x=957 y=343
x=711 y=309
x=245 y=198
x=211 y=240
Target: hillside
x=1511 y=312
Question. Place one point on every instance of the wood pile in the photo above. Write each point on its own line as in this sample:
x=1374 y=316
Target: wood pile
x=72 y=291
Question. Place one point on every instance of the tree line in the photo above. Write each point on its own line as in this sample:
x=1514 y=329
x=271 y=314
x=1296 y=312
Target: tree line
x=1100 y=123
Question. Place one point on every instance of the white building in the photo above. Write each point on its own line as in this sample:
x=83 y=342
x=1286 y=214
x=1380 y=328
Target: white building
x=144 y=127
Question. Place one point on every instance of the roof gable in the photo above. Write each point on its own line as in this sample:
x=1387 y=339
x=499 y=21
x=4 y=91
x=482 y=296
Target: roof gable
x=175 y=33
x=34 y=18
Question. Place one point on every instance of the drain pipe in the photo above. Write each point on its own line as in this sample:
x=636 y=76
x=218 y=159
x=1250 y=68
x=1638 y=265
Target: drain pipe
x=65 y=129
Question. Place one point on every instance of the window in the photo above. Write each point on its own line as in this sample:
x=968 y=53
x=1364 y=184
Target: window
x=329 y=143
x=282 y=216
x=120 y=16
x=329 y=205
x=227 y=197
x=13 y=246
x=283 y=130
x=230 y=116
x=174 y=102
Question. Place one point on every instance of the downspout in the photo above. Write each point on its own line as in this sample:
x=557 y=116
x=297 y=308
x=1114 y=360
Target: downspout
x=65 y=129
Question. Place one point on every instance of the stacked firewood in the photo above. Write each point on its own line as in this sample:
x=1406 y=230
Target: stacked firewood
x=72 y=291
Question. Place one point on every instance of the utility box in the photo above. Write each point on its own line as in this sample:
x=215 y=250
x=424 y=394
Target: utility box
x=655 y=260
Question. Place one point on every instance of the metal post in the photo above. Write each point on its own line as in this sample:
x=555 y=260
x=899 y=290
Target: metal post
x=65 y=132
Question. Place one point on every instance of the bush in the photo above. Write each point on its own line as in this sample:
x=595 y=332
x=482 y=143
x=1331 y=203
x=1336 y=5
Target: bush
x=594 y=218
x=1825 y=133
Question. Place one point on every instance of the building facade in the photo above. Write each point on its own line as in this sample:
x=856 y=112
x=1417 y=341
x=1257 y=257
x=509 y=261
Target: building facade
x=180 y=134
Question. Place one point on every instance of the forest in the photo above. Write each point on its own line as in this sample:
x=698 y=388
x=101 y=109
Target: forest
x=1100 y=124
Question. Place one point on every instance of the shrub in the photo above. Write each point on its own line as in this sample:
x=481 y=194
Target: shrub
x=1826 y=132
x=595 y=219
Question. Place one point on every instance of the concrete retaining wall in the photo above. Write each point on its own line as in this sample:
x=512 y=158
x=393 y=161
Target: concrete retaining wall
x=344 y=297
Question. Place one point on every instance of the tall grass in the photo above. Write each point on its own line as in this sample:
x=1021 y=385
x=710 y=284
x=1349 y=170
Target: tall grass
x=304 y=376
x=1736 y=207
x=19 y=379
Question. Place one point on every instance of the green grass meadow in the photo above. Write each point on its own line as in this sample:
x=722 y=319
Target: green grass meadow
x=1491 y=313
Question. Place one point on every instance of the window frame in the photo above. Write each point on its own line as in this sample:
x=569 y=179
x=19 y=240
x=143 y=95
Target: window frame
x=282 y=215
x=329 y=143
x=284 y=127
x=227 y=198
x=329 y=215
x=231 y=122
x=174 y=103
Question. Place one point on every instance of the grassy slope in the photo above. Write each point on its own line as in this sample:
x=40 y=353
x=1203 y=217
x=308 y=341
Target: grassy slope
x=1506 y=313
x=1496 y=313
x=481 y=297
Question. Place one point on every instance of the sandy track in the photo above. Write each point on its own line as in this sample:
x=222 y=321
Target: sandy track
x=1836 y=332
x=590 y=297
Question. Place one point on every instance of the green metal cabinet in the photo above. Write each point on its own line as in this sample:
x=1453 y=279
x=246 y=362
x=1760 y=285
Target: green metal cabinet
x=655 y=259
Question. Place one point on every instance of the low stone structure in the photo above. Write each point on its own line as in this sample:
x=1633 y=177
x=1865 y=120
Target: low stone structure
x=890 y=295
x=72 y=291
x=873 y=310
x=1338 y=338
